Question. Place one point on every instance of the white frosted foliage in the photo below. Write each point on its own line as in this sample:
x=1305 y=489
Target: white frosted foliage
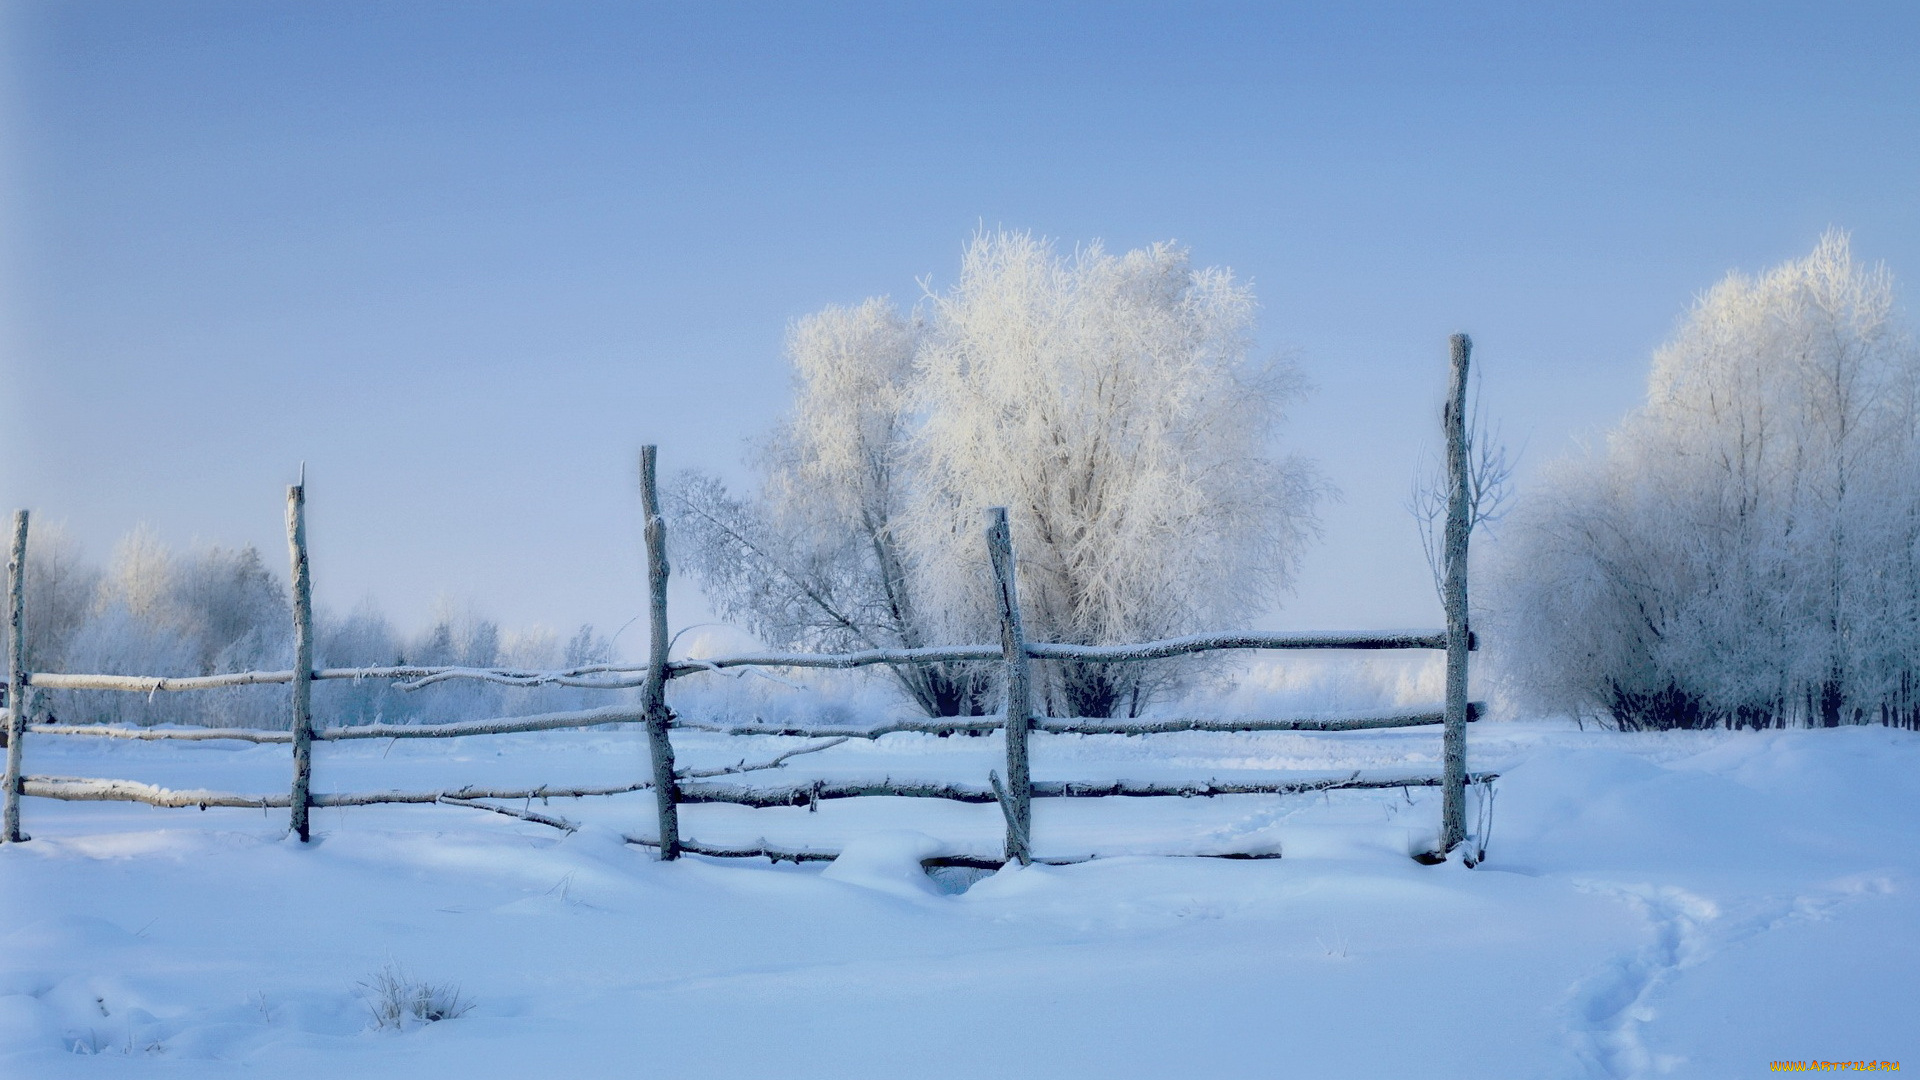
x=1747 y=548
x=1107 y=400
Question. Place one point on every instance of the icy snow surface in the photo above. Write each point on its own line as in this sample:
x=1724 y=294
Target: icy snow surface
x=1689 y=904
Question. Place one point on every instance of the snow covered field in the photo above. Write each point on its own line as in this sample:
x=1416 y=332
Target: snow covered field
x=1692 y=904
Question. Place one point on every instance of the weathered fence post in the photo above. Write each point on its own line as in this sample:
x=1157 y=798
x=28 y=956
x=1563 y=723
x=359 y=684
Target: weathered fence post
x=1017 y=799
x=16 y=671
x=301 y=797
x=666 y=791
x=1453 y=813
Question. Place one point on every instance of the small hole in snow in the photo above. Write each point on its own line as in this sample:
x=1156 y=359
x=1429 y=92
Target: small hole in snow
x=954 y=880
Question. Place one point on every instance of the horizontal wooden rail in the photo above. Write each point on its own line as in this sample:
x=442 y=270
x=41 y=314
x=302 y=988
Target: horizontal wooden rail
x=1086 y=725
x=1193 y=643
x=620 y=714
x=1151 y=650
x=373 y=798
x=86 y=789
x=973 y=725
x=764 y=850
x=1397 y=718
x=505 y=725
x=1210 y=788
x=162 y=734
x=628 y=676
x=943 y=654
x=810 y=794
x=148 y=684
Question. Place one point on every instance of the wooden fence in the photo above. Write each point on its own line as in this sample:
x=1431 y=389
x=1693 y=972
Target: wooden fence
x=673 y=786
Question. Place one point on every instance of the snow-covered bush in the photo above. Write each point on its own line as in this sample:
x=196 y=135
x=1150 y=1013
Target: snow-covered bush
x=396 y=1000
x=1107 y=401
x=1746 y=550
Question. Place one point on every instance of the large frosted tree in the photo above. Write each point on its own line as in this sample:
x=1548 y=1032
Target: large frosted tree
x=1747 y=549
x=817 y=559
x=1107 y=400
x=1109 y=403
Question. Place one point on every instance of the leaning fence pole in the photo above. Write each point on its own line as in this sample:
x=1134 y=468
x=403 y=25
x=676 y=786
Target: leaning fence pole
x=1017 y=798
x=1453 y=815
x=666 y=791
x=16 y=671
x=300 y=798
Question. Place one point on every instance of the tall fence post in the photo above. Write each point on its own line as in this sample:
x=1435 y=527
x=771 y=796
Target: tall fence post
x=1453 y=814
x=666 y=790
x=301 y=797
x=1017 y=798
x=16 y=671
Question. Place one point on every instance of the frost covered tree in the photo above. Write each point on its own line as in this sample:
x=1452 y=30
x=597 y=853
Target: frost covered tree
x=1107 y=401
x=1746 y=551
x=816 y=560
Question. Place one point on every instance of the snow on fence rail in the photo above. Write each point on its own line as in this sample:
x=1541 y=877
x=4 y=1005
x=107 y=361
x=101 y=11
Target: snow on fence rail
x=674 y=787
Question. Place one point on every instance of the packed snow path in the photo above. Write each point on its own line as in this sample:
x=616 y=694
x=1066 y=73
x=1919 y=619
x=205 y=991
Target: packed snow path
x=1690 y=905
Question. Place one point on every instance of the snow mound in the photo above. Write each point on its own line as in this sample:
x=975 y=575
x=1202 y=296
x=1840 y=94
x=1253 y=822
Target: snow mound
x=889 y=862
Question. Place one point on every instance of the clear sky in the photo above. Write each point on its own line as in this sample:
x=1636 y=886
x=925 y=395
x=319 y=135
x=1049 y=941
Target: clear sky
x=462 y=259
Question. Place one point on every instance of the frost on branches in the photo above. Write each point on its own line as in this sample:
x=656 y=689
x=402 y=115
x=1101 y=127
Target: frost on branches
x=817 y=560
x=1107 y=401
x=1747 y=549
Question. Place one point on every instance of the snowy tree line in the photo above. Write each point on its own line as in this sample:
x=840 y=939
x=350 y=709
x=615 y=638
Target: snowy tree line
x=1745 y=549
x=213 y=609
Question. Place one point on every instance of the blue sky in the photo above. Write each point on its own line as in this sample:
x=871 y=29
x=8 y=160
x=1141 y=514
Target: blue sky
x=463 y=259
